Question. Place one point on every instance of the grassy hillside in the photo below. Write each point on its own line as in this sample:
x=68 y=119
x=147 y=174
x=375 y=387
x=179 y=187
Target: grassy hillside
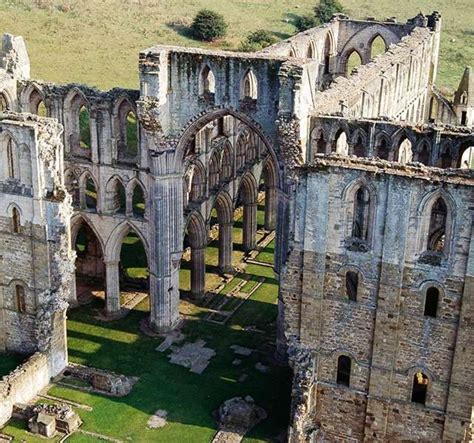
x=97 y=41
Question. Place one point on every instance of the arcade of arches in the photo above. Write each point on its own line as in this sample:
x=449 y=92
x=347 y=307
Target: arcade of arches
x=230 y=203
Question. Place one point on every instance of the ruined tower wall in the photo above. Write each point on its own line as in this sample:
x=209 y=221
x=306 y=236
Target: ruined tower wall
x=384 y=332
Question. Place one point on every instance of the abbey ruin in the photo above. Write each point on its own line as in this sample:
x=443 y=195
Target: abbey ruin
x=368 y=182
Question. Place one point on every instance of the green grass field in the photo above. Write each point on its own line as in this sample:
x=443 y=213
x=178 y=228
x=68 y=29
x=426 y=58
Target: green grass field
x=97 y=42
x=189 y=399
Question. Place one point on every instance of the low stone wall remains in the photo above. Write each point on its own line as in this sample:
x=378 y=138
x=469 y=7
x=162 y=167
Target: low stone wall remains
x=23 y=384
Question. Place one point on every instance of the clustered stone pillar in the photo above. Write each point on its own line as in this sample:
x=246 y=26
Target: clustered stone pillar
x=270 y=207
x=225 y=247
x=198 y=271
x=166 y=241
x=250 y=226
x=112 y=291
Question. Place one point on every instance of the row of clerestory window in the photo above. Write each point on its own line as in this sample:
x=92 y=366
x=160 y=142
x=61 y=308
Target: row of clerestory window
x=419 y=387
x=248 y=88
x=431 y=295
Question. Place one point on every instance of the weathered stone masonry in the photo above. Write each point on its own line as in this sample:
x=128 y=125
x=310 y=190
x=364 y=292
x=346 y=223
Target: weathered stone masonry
x=366 y=182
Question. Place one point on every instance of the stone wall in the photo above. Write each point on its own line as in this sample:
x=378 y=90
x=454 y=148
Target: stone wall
x=384 y=332
x=36 y=266
x=23 y=383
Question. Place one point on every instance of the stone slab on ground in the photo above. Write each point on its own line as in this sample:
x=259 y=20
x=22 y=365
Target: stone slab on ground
x=241 y=350
x=194 y=356
x=158 y=419
x=170 y=338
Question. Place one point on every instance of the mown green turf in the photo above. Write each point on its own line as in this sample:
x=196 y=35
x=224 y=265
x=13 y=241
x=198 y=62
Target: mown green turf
x=97 y=42
x=189 y=398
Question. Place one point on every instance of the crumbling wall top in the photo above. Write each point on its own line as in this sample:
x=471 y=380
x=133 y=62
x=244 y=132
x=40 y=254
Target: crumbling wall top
x=14 y=57
x=377 y=166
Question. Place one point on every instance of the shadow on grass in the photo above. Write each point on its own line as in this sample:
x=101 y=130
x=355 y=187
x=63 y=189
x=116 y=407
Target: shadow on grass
x=181 y=28
x=189 y=398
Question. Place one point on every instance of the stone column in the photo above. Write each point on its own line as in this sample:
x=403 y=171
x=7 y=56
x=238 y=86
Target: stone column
x=166 y=243
x=250 y=226
x=225 y=247
x=198 y=271
x=270 y=207
x=129 y=203
x=112 y=289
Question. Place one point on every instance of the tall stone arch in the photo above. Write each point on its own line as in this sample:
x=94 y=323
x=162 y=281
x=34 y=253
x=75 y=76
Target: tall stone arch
x=167 y=218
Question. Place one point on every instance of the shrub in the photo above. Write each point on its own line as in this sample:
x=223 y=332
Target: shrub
x=306 y=22
x=258 y=40
x=326 y=9
x=208 y=25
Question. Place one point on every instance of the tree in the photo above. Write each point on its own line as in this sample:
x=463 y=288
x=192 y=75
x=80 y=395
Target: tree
x=305 y=22
x=257 y=40
x=208 y=25
x=326 y=8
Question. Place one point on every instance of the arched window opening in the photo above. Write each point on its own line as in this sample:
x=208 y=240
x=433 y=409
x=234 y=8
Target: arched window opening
x=91 y=194
x=360 y=226
x=16 y=221
x=467 y=158
x=420 y=388
x=214 y=170
x=198 y=185
x=251 y=154
x=208 y=81
x=437 y=230
x=311 y=53
x=463 y=98
x=119 y=202
x=20 y=298
x=41 y=109
x=353 y=62
x=342 y=147
x=131 y=128
x=12 y=165
x=72 y=187
x=321 y=144
x=359 y=148
x=226 y=169
x=138 y=202
x=382 y=149
x=327 y=54
x=249 y=86
x=241 y=148
x=377 y=47
x=433 y=109
x=405 y=153
x=424 y=154
x=84 y=128
x=343 y=370
x=446 y=158
x=431 y=302
x=3 y=103
x=352 y=285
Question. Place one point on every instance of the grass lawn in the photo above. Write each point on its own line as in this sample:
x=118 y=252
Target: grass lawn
x=97 y=42
x=189 y=398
